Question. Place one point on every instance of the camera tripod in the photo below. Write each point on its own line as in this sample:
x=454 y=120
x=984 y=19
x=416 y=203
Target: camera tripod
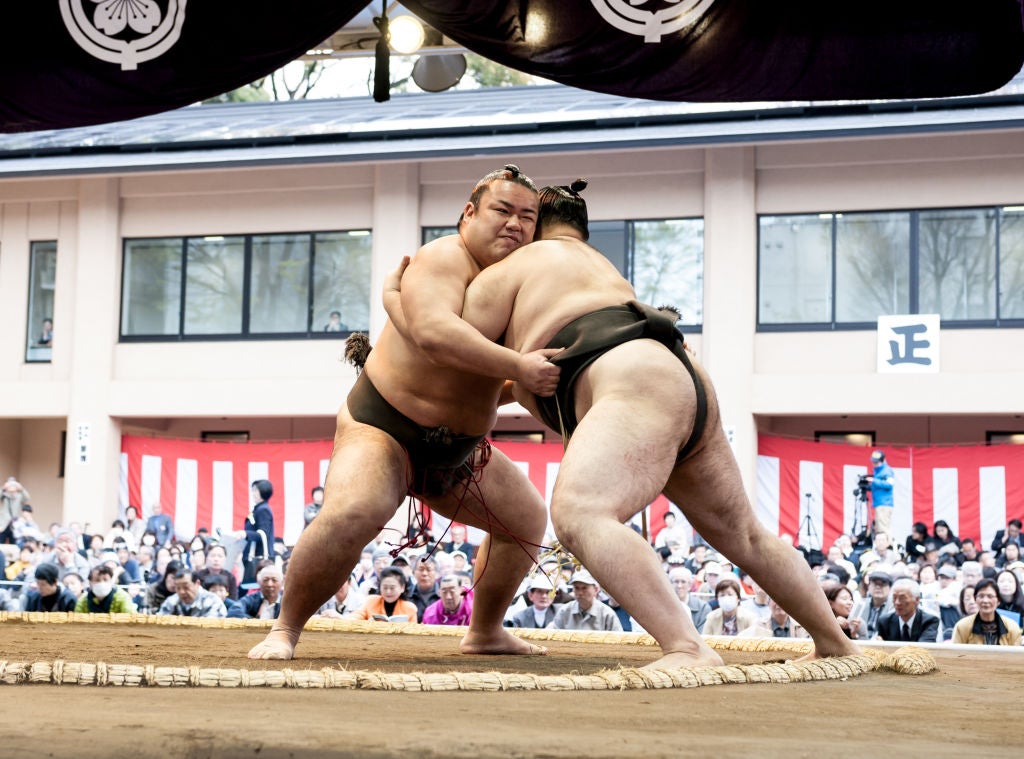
x=807 y=526
x=859 y=530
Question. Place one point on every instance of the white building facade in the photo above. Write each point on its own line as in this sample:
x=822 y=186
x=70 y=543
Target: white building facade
x=189 y=267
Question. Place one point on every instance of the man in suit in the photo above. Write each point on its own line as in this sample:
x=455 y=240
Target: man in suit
x=459 y=542
x=267 y=603
x=908 y=623
x=541 y=612
x=1010 y=535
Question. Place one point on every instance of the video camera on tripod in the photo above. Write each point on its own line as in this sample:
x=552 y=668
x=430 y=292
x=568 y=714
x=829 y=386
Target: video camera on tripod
x=859 y=530
x=863 y=486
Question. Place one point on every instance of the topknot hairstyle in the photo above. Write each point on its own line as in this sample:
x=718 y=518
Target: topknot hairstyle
x=508 y=173
x=562 y=204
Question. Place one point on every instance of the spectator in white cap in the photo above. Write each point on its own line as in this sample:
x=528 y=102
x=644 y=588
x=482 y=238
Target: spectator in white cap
x=541 y=611
x=586 y=612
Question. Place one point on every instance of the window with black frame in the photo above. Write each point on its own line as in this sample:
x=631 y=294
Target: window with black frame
x=663 y=259
x=844 y=270
x=279 y=286
x=41 y=288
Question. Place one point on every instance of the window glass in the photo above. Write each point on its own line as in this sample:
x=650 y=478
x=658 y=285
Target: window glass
x=213 y=285
x=341 y=281
x=1011 y=263
x=42 y=281
x=872 y=265
x=668 y=265
x=279 y=284
x=612 y=239
x=151 y=287
x=958 y=263
x=795 y=269
x=432 y=233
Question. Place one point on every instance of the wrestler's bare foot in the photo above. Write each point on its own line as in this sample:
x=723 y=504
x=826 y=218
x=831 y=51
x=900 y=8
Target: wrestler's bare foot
x=499 y=643
x=700 y=655
x=843 y=647
x=278 y=644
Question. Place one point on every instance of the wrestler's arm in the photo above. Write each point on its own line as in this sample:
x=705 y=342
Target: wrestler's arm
x=424 y=300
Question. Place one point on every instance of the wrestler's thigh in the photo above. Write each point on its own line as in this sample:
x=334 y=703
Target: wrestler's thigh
x=507 y=494
x=709 y=490
x=618 y=459
x=368 y=472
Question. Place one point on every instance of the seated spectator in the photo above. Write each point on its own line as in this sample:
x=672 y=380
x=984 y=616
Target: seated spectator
x=841 y=600
x=710 y=573
x=343 y=603
x=949 y=544
x=65 y=554
x=970 y=572
x=146 y=564
x=968 y=552
x=879 y=603
x=25 y=526
x=49 y=594
x=455 y=606
x=908 y=622
x=459 y=542
x=17 y=570
x=948 y=598
x=129 y=566
x=267 y=603
x=75 y=583
x=698 y=555
x=381 y=561
x=1017 y=567
x=835 y=557
x=1008 y=555
x=388 y=605
x=672 y=537
x=309 y=513
x=94 y=555
x=778 y=625
x=928 y=579
x=190 y=599
x=586 y=612
x=728 y=618
x=423 y=592
x=541 y=611
x=682 y=581
x=916 y=541
x=216 y=585
x=968 y=605
x=460 y=563
x=118 y=532
x=162 y=588
x=1011 y=598
x=216 y=556
x=103 y=597
x=197 y=559
x=986 y=627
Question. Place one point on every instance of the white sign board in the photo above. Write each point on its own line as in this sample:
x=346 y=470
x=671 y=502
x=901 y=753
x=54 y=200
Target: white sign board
x=908 y=344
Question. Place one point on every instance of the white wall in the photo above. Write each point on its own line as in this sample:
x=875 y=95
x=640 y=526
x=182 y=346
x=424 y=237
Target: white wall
x=791 y=383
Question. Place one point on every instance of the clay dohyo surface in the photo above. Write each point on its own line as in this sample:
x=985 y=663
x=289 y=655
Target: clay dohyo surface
x=962 y=707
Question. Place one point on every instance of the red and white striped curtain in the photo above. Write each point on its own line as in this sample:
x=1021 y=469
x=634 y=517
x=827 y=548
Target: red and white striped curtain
x=205 y=484
x=975 y=488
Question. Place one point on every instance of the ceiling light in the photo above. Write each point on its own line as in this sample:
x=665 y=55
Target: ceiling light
x=407 y=34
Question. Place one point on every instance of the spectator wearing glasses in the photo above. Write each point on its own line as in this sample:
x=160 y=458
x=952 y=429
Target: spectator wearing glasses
x=908 y=622
x=986 y=627
x=682 y=581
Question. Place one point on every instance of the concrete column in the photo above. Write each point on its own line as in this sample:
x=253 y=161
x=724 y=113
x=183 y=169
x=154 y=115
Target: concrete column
x=94 y=247
x=396 y=228
x=730 y=294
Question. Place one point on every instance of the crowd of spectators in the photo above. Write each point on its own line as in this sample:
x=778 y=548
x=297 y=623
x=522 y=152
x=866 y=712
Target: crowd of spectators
x=935 y=587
